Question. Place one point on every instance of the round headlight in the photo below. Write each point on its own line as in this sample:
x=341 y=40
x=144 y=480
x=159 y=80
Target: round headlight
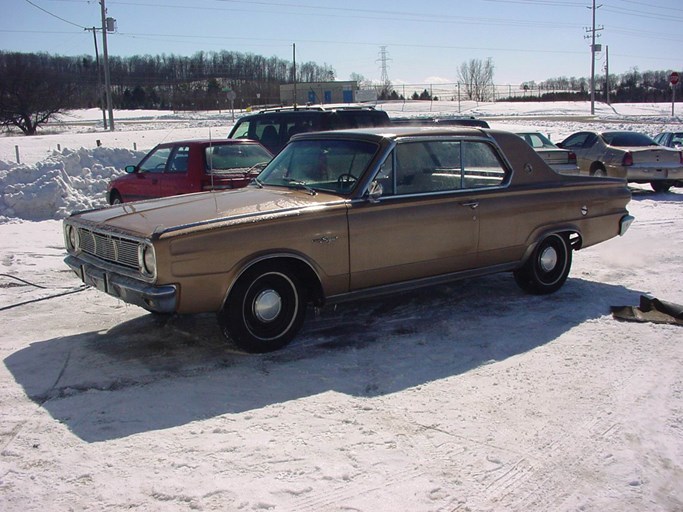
x=148 y=260
x=72 y=238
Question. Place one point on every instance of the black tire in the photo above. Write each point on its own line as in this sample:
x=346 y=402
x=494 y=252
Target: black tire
x=547 y=268
x=660 y=186
x=264 y=310
x=599 y=171
x=115 y=198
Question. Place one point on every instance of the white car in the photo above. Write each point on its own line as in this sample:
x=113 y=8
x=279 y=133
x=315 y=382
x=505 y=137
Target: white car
x=560 y=160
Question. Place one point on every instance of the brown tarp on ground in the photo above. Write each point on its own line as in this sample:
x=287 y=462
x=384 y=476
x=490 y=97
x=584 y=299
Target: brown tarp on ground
x=651 y=309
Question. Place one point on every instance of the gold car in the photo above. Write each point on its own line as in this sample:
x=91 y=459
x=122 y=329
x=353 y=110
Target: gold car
x=348 y=214
x=629 y=155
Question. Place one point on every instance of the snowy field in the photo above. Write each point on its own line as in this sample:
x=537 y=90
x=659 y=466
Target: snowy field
x=467 y=397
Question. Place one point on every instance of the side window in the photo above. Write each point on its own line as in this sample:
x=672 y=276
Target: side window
x=268 y=133
x=575 y=141
x=431 y=166
x=299 y=125
x=155 y=161
x=385 y=176
x=590 y=140
x=481 y=165
x=179 y=160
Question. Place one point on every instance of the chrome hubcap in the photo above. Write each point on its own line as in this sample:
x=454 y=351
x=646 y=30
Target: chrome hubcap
x=267 y=305
x=548 y=259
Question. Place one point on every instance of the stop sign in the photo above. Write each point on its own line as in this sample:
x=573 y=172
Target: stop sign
x=673 y=78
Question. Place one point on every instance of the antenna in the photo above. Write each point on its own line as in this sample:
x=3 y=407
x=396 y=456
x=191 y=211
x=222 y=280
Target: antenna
x=211 y=159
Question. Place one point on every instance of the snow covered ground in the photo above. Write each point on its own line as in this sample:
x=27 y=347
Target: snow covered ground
x=466 y=397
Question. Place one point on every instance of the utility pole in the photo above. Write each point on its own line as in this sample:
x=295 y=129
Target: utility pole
x=607 y=74
x=100 y=91
x=592 y=30
x=107 y=78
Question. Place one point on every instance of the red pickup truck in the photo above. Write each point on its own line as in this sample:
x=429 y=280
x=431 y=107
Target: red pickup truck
x=187 y=166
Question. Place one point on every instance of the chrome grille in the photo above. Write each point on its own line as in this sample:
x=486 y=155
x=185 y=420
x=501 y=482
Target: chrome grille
x=110 y=248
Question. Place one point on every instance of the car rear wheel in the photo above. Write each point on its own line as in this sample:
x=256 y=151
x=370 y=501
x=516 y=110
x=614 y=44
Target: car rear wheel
x=547 y=268
x=599 y=171
x=660 y=186
x=265 y=309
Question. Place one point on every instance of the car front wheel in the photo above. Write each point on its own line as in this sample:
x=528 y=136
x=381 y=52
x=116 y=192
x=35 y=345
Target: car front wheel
x=265 y=309
x=115 y=198
x=547 y=268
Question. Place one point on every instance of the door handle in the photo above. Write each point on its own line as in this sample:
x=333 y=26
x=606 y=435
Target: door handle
x=473 y=205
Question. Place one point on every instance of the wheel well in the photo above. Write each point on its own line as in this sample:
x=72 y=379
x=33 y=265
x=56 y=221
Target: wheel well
x=575 y=240
x=571 y=235
x=595 y=166
x=112 y=193
x=304 y=272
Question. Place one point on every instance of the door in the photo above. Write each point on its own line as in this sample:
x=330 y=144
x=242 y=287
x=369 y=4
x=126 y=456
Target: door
x=146 y=184
x=424 y=224
x=176 y=177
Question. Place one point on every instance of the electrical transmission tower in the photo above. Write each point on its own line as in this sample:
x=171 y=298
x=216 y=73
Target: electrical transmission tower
x=385 y=83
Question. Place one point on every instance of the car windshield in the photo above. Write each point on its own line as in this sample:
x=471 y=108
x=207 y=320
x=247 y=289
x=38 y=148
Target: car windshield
x=320 y=165
x=235 y=157
x=628 y=139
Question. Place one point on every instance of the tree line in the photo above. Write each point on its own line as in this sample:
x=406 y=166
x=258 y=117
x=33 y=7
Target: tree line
x=36 y=86
x=630 y=87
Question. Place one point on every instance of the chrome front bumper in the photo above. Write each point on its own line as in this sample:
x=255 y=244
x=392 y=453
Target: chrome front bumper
x=158 y=299
x=625 y=223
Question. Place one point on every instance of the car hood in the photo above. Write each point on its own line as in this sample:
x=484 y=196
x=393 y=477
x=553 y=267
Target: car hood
x=156 y=217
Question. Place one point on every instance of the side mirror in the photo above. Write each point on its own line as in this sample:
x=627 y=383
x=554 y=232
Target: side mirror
x=375 y=192
x=131 y=169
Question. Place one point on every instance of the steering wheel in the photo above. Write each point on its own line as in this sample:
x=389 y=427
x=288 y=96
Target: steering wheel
x=346 y=180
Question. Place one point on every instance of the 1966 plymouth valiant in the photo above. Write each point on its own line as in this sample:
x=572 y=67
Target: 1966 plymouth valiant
x=348 y=214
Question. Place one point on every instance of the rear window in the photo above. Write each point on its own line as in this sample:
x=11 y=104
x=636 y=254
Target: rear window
x=628 y=139
x=362 y=118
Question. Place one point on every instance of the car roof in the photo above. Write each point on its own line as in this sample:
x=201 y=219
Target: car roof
x=204 y=142
x=315 y=110
x=393 y=132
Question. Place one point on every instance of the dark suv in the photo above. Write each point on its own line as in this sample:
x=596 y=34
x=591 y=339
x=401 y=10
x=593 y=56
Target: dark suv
x=274 y=127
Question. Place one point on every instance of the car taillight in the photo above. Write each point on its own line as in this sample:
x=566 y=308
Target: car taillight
x=627 y=160
x=680 y=157
x=572 y=157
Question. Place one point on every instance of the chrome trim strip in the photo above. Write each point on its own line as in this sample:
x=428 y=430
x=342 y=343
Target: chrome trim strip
x=405 y=286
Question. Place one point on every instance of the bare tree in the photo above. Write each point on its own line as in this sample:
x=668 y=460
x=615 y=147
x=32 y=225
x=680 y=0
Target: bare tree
x=477 y=77
x=30 y=94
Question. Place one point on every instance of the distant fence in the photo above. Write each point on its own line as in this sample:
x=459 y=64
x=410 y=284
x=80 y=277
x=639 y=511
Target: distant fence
x=458 y=92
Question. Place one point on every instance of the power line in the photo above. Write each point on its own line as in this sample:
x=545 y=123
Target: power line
x=371 y=14
x=55 y=16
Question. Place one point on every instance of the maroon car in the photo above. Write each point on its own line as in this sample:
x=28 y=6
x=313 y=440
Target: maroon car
x=182 y=167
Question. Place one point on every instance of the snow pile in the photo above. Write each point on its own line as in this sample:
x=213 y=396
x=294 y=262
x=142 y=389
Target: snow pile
x=66 y=181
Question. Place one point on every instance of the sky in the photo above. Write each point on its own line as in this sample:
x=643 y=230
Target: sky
x=424 y=41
